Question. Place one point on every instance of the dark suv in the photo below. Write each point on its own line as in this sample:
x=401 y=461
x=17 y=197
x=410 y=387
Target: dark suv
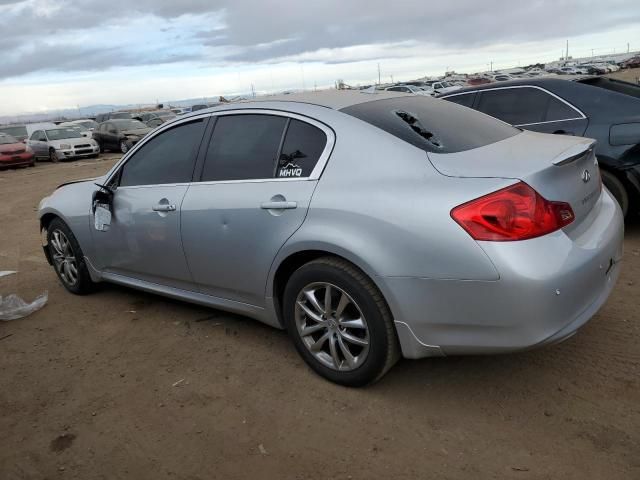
x=602 y=108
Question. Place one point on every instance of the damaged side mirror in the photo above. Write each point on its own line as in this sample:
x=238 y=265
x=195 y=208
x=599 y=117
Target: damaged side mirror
x=102 y=206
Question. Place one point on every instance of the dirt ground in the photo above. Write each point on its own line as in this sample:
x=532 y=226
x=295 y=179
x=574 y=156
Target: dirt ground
x=628 y=75
x=122 y=384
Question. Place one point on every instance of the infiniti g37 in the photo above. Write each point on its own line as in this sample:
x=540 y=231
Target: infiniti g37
x=369 y=226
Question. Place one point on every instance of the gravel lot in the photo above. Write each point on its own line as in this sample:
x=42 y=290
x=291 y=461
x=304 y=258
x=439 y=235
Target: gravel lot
x=123 y=384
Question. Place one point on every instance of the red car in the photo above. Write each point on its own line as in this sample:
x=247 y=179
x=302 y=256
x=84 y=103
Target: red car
x=14 y=153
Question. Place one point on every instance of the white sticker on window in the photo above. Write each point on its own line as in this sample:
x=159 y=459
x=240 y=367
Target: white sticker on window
x=290 y=170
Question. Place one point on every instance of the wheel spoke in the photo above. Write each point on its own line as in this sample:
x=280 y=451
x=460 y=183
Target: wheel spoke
x=351 y=361
x=327 y=301
x=355 y=323
x=306 y=331
x=317 y=346
x=353 y=339
x=344 y=301
x=334 y=351
x=310 y=314
x=311 y=298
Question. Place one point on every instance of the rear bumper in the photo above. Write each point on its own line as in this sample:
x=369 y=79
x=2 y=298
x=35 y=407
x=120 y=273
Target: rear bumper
x=549 y=287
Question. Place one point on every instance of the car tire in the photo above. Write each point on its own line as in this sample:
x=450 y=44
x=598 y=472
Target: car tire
x=125 y=146
x=68 y=259
x=356 y=343
x=617 y=189
x=53 y=156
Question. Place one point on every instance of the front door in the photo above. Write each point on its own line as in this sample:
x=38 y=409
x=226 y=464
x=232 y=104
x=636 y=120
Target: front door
x=258 y=178
x=143 y=240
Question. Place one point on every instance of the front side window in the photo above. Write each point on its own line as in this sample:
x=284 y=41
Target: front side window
x=243 y=147
x=522 y=106
x=166 y=158
x=303 y=145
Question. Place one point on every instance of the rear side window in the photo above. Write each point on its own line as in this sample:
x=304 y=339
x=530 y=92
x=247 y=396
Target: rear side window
x=243 y=147
x=303 y=145
x=167 y=158
x=432 y=125
x=523 y=106
x=466 y=100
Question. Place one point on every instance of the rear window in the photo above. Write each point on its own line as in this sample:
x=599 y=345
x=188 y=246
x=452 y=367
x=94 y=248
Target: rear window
x=614 y=85
x=432 y=125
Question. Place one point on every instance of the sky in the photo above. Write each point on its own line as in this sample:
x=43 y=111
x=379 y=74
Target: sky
x=59 y=54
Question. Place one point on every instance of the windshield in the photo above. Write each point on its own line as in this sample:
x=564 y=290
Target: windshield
x=7 y=139
x=63 y=133
x=445 y=84
x=18 y=131
x=129 y=124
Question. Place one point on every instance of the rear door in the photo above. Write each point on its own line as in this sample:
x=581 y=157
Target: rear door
x=38 y=143
x=256 y=182
x=532 y=108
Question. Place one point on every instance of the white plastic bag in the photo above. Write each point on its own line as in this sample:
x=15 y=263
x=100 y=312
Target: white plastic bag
x=12 y=307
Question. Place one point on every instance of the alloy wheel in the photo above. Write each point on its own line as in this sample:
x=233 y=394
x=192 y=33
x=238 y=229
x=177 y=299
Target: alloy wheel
x=332 y=326
x=124 y=146
x=64 y=258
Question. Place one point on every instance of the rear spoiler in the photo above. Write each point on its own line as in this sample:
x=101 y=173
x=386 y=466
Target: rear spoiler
x=574 y=153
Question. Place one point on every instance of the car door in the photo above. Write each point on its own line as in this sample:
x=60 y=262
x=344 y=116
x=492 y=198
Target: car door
x=532 y=108
x=254 y=189
x=143 y=238
x=111 y=136
x=38 y=143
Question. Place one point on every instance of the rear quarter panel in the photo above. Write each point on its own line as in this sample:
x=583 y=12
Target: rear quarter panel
x=381 y=205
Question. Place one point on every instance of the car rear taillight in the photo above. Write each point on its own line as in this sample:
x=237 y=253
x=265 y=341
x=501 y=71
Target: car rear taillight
x=514 y=213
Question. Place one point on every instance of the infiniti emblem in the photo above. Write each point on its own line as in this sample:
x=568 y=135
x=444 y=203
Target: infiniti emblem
x=586 y=176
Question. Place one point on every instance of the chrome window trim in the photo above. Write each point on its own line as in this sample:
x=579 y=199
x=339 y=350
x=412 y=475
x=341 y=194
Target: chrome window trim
x=320 y=164
x=315 y=173
x=576 y=109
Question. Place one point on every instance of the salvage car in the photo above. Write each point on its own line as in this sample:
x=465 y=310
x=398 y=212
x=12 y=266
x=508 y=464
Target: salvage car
x=369 y=226
x=62 y=143
x=120 y=134
x=86 y=126
x=103 y=117
x=605 y=109
x=19 y=132
x=157 y=118
x=14 y=153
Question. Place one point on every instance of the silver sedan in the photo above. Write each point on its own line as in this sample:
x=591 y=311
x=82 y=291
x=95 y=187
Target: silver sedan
x=369 y=226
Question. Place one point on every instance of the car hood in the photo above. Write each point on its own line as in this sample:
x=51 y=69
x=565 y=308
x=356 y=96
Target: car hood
x=11 y=147
x=87 y=180
x=69 y=141
x=140 y=132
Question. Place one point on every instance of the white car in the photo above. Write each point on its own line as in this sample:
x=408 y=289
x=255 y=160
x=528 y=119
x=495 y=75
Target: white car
x=442 y=86
x=573 y=70
x=62 y=143
x=409 y=89
x=86 y=126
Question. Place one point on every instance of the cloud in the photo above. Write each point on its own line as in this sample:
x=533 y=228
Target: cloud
x=235 y=32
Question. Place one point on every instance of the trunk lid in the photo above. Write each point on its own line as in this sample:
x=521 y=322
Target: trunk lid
x=560 y=168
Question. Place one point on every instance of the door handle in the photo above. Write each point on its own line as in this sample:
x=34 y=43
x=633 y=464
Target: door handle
x=163 y=207
x=283 y=205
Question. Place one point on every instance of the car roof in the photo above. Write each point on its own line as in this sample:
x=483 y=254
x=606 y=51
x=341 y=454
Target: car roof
x=333 y=99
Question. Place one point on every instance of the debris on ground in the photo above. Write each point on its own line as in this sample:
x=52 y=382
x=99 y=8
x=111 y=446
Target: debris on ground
x=5 y=273
x=12 y=307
